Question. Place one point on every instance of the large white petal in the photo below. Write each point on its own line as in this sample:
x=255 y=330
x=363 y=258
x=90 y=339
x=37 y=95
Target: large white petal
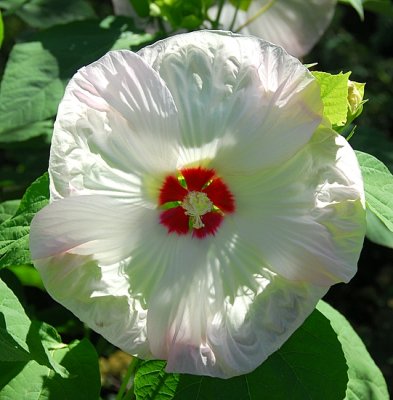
x=100 y=226
x=99 y=296
x=218 y=311
x=241 y=100
x=258 y=323
x=307 y=216
x=296 y=25
x=169 y=317
x=116 y=122
x=94 y=254
x=209 y=307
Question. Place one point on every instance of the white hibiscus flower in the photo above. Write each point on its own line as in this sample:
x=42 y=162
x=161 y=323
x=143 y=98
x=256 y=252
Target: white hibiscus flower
x=296 y=25
x=200 y=207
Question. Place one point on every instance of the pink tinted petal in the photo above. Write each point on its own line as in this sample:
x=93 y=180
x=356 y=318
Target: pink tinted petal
x=295 y=25
x=181 y=263
x=136 y=91
x=107 y=124
x=93 y=225
x=306 y=217
x=218 y=311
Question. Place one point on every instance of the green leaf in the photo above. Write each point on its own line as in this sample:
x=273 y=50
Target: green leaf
x=373 y=141
x=8 y=209
x=377 y=231
x=365 y=379
x=27 y=275
x=10 y=350
x=311 y=362
x=357 y=5
x=37 y=71
x=378 y=186
x=11 y=5
x=182 y=14
x=241 y=4
x=46 y=13
x=80 y=43
x=26 y=132
x=1 y=30
x=20 y=338
x=142 y=7
x=14 y=327
x=79 y=358
x=127 y=39
x=152 y=382
x=384 y=7
x=31 y=88
x=39 y=337
x=13 y=319
x=14 y=232
x=33 y=353
x=334 y=93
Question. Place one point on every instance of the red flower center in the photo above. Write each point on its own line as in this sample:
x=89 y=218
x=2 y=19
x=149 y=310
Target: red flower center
x=195 y=201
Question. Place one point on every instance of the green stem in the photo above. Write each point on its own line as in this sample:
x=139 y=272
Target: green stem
x=256 y=15
x=130 y=395
x=161 y=25
x=131 y=368
x=234 y=16
x=217 y=20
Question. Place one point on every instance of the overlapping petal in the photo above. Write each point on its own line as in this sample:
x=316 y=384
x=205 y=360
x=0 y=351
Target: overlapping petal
x=210 y=331
x=237 y=95
x=87 y=225
x=117 y=120
x=296 y=25
x=306 y=217
x=216 y=105
x=235 y=313
x=99 y=296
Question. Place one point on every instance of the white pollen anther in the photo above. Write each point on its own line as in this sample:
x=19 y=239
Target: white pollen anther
x=197 y=204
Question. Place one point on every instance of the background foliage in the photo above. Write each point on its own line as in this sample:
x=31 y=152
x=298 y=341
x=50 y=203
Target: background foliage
x=364 y=47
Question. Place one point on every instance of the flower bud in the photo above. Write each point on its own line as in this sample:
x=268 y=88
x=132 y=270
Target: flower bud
x=355 y=99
